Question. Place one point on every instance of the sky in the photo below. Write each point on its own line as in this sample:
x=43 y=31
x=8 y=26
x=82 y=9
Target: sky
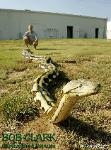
x=95 y=8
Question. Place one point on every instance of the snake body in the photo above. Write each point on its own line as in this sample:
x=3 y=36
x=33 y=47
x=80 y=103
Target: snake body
x=72 y=91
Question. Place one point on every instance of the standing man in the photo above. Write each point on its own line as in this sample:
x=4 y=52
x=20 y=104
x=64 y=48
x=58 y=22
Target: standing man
x=30 y=37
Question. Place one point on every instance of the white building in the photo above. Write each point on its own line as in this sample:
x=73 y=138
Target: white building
x=13 y=23
x=109 y=30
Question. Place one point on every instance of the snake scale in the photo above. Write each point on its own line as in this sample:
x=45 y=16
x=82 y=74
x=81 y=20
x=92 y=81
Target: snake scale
x=71 y=92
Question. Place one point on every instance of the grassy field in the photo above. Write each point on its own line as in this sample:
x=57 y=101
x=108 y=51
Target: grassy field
x=89 y=125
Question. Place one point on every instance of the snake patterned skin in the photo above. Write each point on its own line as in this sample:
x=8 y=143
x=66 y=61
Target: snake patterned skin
x=72 y=91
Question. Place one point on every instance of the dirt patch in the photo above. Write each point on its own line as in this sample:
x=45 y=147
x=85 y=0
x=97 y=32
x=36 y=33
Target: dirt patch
x=3 y=92
x=70 y=69
x=43 y=125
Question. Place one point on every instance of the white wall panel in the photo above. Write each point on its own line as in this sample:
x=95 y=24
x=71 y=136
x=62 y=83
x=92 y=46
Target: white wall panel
x=13 y=23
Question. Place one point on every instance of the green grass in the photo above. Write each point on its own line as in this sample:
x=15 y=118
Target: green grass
x=90 y=120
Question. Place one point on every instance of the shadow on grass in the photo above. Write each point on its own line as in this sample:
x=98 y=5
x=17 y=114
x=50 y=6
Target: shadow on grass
x=47 y=49
x=85 y=130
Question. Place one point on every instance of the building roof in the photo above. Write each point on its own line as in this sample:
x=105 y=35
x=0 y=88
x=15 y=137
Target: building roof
x=53 y=13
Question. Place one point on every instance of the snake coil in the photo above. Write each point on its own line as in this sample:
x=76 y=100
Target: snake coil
x=72 y=91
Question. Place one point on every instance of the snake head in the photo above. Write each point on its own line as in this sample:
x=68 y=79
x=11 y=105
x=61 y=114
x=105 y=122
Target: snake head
x=81 y=87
